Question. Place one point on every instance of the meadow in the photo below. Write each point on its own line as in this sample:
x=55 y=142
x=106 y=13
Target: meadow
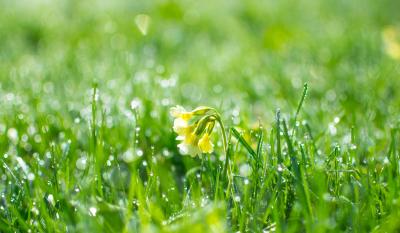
x=305 y=119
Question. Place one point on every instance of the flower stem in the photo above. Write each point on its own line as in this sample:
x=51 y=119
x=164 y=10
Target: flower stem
x=223 y=133
x=219 y=120
x=225 y=144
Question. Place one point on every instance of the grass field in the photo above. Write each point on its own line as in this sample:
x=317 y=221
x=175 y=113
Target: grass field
x=308 y=93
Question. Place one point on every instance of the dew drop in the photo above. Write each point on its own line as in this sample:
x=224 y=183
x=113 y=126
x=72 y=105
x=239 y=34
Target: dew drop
x=92 y=211
x=336 y=120
x=128 y=156
x=81 y=163
x=245 y=170
x=136 y=103
x=31 y=176
x=12 y=134
x=50 y=199
x=139 y=152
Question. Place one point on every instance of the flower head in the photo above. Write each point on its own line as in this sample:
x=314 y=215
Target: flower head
x=194 y=129
x=391 y=39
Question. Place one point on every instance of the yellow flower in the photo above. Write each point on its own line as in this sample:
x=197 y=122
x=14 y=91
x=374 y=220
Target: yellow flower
x=205 y=144
x=391 y=39
x=193 y=134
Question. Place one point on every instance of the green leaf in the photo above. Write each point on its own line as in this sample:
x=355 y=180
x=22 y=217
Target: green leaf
x=242 y=141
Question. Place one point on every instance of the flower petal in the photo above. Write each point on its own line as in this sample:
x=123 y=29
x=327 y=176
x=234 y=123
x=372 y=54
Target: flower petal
x=188 y=149
x=180 y=125
x=205 y=144
x=177 y=111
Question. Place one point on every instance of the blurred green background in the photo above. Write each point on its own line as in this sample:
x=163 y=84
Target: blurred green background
x=254 y=55
x=246 y=58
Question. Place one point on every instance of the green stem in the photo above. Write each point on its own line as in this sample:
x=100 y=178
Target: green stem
x=223 y=133
x=225 y=144
x=218 y=118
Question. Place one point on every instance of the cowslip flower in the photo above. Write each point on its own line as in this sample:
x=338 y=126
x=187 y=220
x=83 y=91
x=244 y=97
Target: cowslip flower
x=194 y=129
x=391 y=39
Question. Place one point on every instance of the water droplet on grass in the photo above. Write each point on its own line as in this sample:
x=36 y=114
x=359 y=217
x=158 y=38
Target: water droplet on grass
x=336 y=120
x=22 y=164
x=332 y=129
x=35 y=210
x=166 y=152
x=81 y=163
x=31 y=176
x=37 y=138
x=12 y=134
x=128 y=156
x=24 y=138
x=245 y=170
x=93 y=211
x=48 y=154
x=41 y=162
x=50 y=199
x=139 y=152
x=386 y=160
x=77 y=120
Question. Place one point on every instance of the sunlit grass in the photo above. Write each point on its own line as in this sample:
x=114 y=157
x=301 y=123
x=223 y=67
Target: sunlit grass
x=87 y=142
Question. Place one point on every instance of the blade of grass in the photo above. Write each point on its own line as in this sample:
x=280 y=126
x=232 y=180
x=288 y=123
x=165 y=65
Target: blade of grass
x=278 y=136
x=303 y=96
x=242 y=141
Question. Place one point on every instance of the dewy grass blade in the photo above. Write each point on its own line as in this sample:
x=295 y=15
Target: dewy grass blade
x=278 y=136
x=301 y=183
x=259 y=144
x=303 y=97
x=292 y=152
x=305 y=186
x=242 y=141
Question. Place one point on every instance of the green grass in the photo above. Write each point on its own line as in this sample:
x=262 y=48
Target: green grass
x=86 y=140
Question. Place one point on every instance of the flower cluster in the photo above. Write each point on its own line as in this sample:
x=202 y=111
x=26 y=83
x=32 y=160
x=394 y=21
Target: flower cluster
x=391 y=39
x=194 y=129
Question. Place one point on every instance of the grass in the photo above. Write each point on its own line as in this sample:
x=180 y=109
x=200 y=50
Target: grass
x=86 y=140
